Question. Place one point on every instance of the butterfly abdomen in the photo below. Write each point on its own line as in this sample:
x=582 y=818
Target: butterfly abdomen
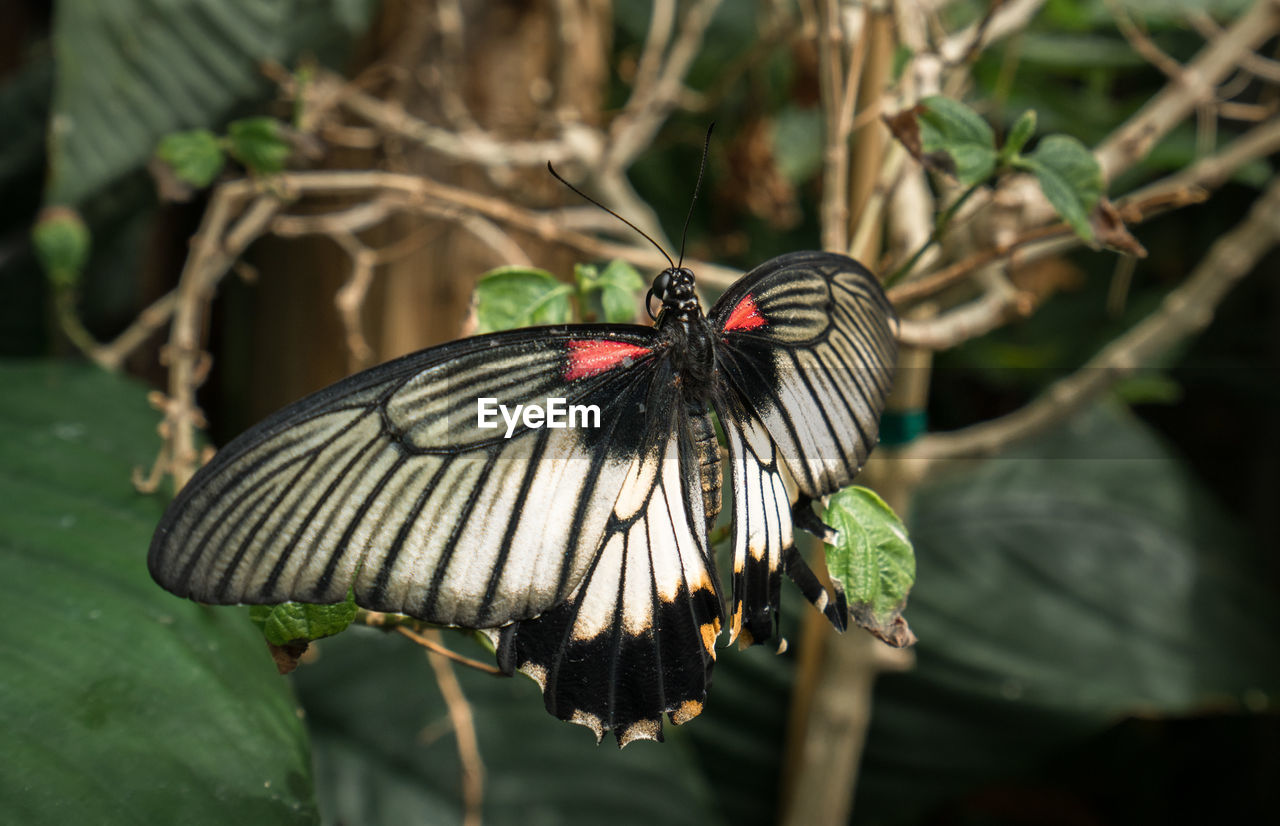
x=708 y=447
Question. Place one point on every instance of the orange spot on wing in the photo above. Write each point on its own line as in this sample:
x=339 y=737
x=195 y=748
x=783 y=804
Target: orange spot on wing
x=745 y=316
x=687 y=711
x=589 y=357
x=709 y=633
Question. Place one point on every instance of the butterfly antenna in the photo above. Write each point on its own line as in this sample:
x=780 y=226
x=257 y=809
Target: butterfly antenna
x=558 y=177
x=702 y=167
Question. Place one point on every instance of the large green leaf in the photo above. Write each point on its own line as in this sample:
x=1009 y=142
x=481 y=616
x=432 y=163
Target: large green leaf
x=130 y=71
x=1073 y=581
x=118 y=702
x=385 y=752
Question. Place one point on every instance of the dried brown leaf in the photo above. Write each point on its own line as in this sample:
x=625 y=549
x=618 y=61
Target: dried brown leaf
x=905 y=126
x=1110 y=231
x=894 y=631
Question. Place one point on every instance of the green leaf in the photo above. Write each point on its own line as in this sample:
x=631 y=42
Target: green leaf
x=1068 y=582
x=902 y=55
x=373 y=703
x=797 y=133
x=1021 y=132
x=195 y=156
x=120 y=703
x=622 y=275
x=618 y=284
x=872 y=561
x=1070 y=179
x=61 y=242
x=289 y=621
x=131 y=71
x=510 y=297
x=950 y=127
x=1149 y=388
x=259 y=144
x=619 y=305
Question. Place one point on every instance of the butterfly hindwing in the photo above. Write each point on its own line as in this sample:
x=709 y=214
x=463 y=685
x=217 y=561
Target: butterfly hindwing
x=386 y=483
x=806 y=353
x=636 y=640
x=806 y=340
x=763 y=539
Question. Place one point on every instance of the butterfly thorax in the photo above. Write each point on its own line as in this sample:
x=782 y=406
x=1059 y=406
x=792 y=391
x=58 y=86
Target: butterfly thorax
x=690 y=341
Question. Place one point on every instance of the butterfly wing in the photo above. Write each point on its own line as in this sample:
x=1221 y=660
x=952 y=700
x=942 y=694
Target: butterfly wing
x=805 y=356
x=636 y=639
x=386 y=483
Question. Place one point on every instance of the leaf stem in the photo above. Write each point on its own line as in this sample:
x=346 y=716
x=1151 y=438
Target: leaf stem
x=64 y=301
x=940 y=227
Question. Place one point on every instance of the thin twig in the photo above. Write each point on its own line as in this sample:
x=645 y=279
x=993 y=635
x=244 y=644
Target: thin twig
x=464 y=729
x=430 y=640
x=1012 y=17
x=633 y=130
x=1195 y=84
x=1142 y=44
x=1185 y=311
x=1134 y=209
x=151 y=319
x=349 y=299
x=1253 y=63
x=999 y=302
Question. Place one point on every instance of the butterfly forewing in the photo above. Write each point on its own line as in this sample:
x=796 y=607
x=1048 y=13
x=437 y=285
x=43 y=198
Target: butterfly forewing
x=807 y=343
x=386 y=483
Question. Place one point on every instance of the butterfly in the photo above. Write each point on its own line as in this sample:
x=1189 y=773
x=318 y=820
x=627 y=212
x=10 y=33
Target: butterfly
x=582 y=551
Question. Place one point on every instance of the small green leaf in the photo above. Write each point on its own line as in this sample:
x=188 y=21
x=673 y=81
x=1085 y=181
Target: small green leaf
x=622 y=275
x=259 y=144
x=873 y=561
x=290 y=621
x=1021 y=132
x=61 y=242
x=1149 y=388
x=618 y=284
x=510 y=297
x=195 y=157
x=902 y=55
x=619 y=304
x=1069 y=177
x=610 y=293
x=950 y=127
x=586 y=276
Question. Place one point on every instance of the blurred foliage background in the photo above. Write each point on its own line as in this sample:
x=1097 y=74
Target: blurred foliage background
x=1097 y=608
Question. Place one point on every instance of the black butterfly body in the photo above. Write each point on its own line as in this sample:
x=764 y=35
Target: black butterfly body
x=582 y=551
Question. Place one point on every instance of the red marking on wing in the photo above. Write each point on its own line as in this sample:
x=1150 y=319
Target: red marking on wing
x=586 y=358
x=745 y=316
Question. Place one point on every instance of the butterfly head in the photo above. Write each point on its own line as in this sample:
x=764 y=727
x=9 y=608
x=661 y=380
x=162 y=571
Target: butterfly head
x=674 y=288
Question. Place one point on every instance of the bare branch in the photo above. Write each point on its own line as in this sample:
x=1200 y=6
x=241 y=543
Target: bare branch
x=464 y=730
x=633 y=130
x=431 y=642
x=1008 y=19
x=1196 y=84
x=577 y=143
x=1255 y=64
x=998 y=303
x=1185 y=311
x=216 y=245
x=155 y=316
